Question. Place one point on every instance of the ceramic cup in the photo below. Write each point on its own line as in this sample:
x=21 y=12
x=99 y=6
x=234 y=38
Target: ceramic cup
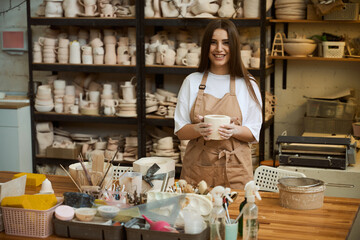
x=216 y=121
x=231 y=230
x=192 y=59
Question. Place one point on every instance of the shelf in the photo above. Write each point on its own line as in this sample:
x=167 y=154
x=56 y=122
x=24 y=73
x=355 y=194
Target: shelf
x=313 y=21
x=56 y=161
x=161 y=69
x=89 y=22
x=201 y=22
x=268 y=123
x=159 y=121
x=316 y=59
x=52 y=116
x=57 y=67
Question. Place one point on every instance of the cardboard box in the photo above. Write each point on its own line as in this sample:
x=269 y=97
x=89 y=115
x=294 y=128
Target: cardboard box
x=65 y=153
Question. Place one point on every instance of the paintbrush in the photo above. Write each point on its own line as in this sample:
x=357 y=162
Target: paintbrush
x=81 y=160
x=67 y=173
x=107 y=170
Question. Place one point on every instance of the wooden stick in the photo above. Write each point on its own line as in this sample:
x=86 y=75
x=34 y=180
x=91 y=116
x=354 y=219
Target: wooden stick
x=81 y=160
x=107 y=170
x=67 y=173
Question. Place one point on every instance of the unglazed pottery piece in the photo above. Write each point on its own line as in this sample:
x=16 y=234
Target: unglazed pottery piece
x=216 y=121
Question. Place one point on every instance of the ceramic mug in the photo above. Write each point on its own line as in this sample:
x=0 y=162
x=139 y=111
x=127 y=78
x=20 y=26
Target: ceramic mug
x=192 y=59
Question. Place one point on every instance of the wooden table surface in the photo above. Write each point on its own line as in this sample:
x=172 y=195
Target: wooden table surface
x=332 y=221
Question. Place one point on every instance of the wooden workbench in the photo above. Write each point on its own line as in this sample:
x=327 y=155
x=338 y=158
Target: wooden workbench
x=332 y=221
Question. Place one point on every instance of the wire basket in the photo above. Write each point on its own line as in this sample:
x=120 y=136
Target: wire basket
x=267 y=177
x=27 y=222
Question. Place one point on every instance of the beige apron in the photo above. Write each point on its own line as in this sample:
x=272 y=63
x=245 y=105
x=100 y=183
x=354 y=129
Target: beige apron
x=218 y=162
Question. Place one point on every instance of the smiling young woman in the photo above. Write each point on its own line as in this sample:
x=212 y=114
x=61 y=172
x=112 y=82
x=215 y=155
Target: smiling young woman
x=222 y=86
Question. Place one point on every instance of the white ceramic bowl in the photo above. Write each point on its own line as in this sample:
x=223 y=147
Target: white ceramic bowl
x=40 y=108
x=299 y=49
x=85 y=214
x=108 y=212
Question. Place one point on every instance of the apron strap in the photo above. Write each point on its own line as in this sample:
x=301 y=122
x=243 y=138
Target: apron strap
x=199 y=100
x=232 y=85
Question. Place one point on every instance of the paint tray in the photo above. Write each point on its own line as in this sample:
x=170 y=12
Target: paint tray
x=134 y=233
x=78 y=230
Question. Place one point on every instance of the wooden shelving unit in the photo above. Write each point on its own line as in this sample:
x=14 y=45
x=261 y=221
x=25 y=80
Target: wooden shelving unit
x=142 y=120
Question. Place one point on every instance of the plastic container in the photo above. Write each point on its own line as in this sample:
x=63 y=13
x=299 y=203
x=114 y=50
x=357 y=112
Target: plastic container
x=333 y=49
x=329 y=109
x=143 y=234
x=78 y=230
x=327 y=125
x=350 y=11
x=28 y=223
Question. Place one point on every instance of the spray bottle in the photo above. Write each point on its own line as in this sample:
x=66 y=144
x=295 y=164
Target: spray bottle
x=250 y=220
x=217 y=220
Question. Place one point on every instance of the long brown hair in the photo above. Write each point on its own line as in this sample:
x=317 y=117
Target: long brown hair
x=236 y=67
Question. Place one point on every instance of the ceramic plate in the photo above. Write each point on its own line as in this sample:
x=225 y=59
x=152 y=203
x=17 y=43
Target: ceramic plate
x=126 y=114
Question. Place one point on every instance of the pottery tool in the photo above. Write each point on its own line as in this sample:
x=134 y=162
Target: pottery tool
x=96 y=178
x=88 y=177
x=97 y=161
x=162 y=210
x=161 y=226
x=107 y=170
x=67 y=173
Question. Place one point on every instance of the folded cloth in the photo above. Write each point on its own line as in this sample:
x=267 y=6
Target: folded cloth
x=323 y=9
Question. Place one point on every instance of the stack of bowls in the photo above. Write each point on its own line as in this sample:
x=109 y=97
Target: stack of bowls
x=290 y=9
x=43 y=100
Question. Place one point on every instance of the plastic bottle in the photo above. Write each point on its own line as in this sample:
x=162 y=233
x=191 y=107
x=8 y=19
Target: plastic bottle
x=250 y=220
x=217 y=220
x=240 y=223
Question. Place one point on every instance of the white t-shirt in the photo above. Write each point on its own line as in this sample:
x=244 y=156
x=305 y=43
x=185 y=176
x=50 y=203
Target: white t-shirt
x=218 y=86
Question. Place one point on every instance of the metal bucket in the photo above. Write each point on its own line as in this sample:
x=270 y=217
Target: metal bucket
x=301 y=193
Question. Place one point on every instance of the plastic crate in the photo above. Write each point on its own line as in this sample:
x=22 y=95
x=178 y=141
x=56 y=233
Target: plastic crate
x=28 y=223
x=77 y=230
x=1 y=223
x=118 y=171
x=350 y=11
x=143 y=234
x=329 y=109
x=267 y=177
x=333 y=49
x=327 y=125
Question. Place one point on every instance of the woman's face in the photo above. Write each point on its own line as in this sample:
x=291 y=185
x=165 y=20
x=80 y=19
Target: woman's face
x=219 y=53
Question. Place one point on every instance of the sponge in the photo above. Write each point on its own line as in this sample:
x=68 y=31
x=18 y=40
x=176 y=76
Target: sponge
x=32 y=179
x=35 y=202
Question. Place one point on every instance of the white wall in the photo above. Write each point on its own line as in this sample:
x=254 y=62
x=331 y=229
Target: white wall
x=311 y=78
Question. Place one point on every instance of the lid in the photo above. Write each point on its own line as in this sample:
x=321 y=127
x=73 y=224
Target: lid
x=300 y=182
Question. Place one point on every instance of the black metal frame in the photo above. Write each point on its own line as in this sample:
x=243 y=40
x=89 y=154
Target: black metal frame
x=140 y=69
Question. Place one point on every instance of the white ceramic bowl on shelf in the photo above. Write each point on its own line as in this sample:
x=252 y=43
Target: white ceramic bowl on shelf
x=299 y=49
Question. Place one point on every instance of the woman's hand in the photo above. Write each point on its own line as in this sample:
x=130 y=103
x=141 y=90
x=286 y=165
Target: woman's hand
x=203 y=128
x=226 y=131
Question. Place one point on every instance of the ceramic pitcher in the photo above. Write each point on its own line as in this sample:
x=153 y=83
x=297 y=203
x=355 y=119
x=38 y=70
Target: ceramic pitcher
x=72 y=8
